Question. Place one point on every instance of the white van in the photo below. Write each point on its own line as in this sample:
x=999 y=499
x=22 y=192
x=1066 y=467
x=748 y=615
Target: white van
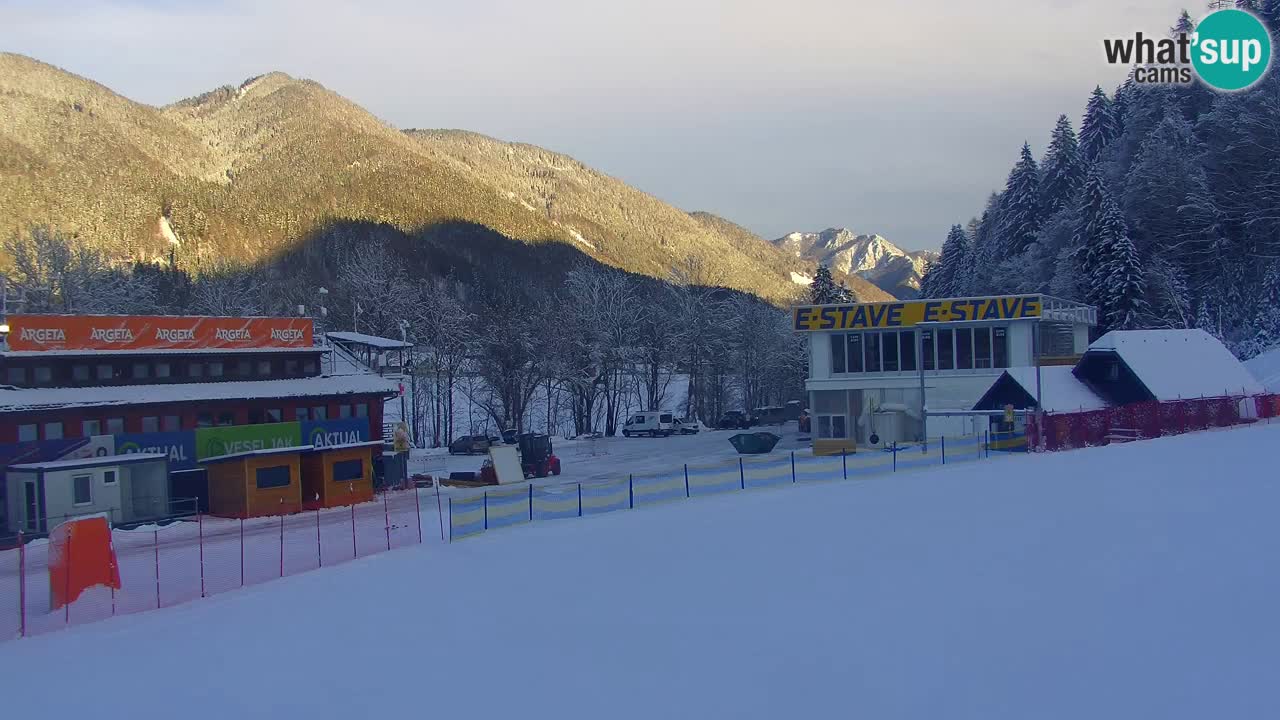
x=652 y=424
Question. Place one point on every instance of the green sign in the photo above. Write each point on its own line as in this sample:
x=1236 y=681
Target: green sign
x=215 y=441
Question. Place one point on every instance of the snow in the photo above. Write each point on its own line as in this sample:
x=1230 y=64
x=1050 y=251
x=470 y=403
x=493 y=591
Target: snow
x=801 y=279
x=260 y=451
x=578 y=236
x=91 y=462
x=984 y=590
x=12 y=399
x=1178 y=364
x=371 y=340
x=1266 y=368
x=1060 y=390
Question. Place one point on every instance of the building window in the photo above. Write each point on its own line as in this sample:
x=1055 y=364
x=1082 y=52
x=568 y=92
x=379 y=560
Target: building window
x=225 y=418
x=105 y=372
x=195 y=370
x=115 y=426
x=946 y=350
x=926 y=350
x=53 y=431
x=28 y=433
x=319 y=412
x=831 y=427
x=309 y=367
x=908 y=357
x=964 y=348
x=162 y=369
x=204 y=420
x=82 y=487
x=150 y=423
x=44 y=375
x=89 y=428
x=171 y=423
x=362 y=410
x=109 y=477
x=855 y=352
x=243 y=368
x=80 y=372
x=141 y=371
x=16 y=375
x=837 y=353
x=889 y=344
x=344 y=411
x=1000 y=347
x=276 y=476
x=275 y=415
x=291 y=366
x=301 y=413
x=264 y=367
x=348 y=470
x=871 y=344
x=982 y=347
x=215 y=369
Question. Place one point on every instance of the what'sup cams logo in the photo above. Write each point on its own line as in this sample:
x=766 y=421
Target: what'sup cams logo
x=1229 y=50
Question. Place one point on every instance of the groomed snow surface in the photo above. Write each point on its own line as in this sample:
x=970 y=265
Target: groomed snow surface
x=1133 y=581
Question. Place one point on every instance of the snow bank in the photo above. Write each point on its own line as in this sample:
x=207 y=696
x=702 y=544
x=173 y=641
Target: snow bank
x=1133 y=581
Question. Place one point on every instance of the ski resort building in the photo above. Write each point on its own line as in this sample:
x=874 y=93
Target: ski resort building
x=192 y=388
x=902 y=371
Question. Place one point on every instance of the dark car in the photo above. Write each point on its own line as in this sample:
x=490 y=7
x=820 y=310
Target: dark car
x=470 y=445
x=736 y=420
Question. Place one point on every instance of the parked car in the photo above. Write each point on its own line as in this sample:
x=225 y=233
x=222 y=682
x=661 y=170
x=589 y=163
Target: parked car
x=736 y=420
x=689 y=426
x=653 y=424
x=470 y=445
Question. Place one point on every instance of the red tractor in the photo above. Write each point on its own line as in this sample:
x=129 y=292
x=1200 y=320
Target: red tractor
x=536 y=458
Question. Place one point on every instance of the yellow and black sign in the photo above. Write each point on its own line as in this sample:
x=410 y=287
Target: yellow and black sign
x=869 y=316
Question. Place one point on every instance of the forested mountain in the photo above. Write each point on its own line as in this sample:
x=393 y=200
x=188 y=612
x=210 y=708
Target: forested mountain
x=1164 y=211
x=870 y=258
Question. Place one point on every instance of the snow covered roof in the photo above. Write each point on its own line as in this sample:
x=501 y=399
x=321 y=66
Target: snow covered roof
x=259 y=451
x=97 y=461
x=18 y=399
x=1060 y=390
x=1266 y=369
x=371 y=340
x=1179 y=364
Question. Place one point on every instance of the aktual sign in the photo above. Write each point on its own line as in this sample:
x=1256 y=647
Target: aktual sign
x=327 y=433
x=145 y=332
x=870 y=316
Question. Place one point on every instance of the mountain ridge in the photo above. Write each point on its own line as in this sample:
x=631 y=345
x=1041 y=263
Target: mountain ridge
x=870 y=257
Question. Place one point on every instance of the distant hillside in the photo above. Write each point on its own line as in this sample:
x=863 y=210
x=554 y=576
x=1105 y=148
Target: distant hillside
x=245 y=173
x=880 y=262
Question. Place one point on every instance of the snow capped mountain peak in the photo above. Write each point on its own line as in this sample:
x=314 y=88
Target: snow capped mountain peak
x=872 y=256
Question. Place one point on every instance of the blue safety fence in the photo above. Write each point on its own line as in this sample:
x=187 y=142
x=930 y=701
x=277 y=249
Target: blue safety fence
x=1008 y=442
x=506 y=506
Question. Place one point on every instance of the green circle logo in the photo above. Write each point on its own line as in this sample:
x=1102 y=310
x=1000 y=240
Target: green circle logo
x=1231 y=50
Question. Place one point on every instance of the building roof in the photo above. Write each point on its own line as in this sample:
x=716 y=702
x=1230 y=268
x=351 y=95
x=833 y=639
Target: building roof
x=371 y=340
x=26 y=399
x=1179 y=364
x=254 y=453
x=98 y=461
x=1060 y=390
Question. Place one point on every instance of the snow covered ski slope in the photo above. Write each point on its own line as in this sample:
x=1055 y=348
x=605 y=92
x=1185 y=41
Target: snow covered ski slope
x=1135 y=581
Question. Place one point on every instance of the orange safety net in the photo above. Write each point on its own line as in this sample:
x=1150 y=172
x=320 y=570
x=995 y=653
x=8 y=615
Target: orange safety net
x=81 y=556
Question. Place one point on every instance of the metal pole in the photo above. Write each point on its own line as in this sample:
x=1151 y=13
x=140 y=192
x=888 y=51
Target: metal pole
x=944 y=449
x=241 y=552
x=22 y=586
x=579 y=499
x=355 y=551
x=793 y=466
x=686 y=480
x=155 y=534
x=742 y=474
x=319 y=551
x=386 y=518
x=895 y=456
x=631 y=492
x=1035 y=353
x=66 y=586
x=200 y=530
x=924 y=414
x=486 y=506
x=282 y=546
x=530 y=502
x=440 y=510
x=844 y=464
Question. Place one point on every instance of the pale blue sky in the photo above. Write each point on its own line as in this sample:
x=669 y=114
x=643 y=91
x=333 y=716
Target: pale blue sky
x=890 y=117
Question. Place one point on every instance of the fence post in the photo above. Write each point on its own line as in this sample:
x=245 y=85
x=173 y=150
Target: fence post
x=530 y=502
x=793 y=466
x=742 y=474
x=155 y=535
x=686 y=480
x=200 y=530
x=895 y=456
x=417 y=510
x=440 y=511
x=241 y=552
x=944 y=449
x=486 y=510
x=22 y=586
x=579 y=499
x=631 y=492
x=282 y=546
x=844 y=464
x=66 y=585
x=319 y=551
x=450 y=520
x=386 y=518
x=986 y=444
x=355 y=551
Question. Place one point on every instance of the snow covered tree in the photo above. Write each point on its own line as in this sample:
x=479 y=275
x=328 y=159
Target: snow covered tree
x=1087 y=246
x=1122 y=287
x=951 y=262
x=1020 y=204
x=986 y=250
x=823 y=290
x=1269 y=11
x=1157 y=184
x=1099 y=126
x=1063 y=169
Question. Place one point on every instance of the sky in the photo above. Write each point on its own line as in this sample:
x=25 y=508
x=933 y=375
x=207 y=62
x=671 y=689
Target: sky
x=892 y=117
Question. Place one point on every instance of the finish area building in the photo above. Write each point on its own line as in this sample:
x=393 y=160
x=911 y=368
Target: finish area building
x=896 y=370
x=191 y=388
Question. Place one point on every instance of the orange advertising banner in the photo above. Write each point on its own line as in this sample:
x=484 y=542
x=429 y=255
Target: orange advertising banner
x=159 y=332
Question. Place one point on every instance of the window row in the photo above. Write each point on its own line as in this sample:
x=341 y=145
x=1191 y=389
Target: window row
x=966 y=348
x=32 y=432
x=161 y=370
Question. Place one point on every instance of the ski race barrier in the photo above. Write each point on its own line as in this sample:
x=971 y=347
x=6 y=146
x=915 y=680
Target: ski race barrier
x=526 y=503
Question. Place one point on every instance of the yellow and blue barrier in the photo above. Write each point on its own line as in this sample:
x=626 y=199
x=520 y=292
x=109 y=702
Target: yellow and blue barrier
x=765 y=473
x=555 y=502
x=507 y=507
x=648 y=489
x=466 y=516
x=714 y=479
x=825 y=467
x=605 y=496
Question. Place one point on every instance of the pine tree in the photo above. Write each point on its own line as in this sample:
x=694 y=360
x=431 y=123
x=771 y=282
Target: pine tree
x=1087 y=247
x=1184 y=25
x=1157 y=184
x=1270 y=14
x=1120 y=278
x=1099 y=126
x=823 y=291
x=1020 y=205
x=1063 y=169
x=1247 y=5
x=928 y=277
x=951 y=263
